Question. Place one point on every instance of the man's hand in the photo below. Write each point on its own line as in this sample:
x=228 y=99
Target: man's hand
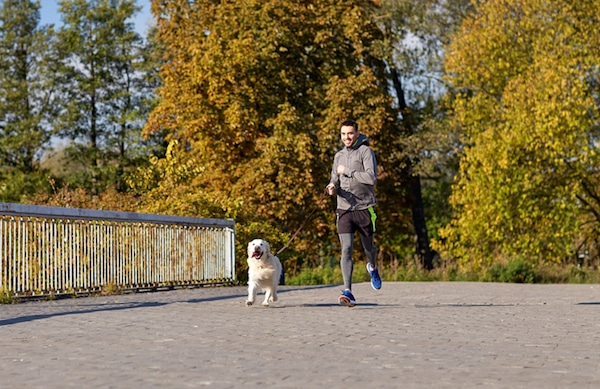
x=330 y=189
x=340 y=169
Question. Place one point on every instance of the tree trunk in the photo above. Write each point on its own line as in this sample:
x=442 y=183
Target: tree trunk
x=423 y=249
x=416 y=199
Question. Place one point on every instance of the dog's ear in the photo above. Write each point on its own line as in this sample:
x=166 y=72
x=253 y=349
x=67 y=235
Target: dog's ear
x=267 y=247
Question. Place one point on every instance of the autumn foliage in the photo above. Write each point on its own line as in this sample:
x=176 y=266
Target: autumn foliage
x=526 y=81
x=252 y=97
x=483 y=115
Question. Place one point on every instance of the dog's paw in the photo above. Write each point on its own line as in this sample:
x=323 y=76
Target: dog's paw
x=248 y=303
x=265 y=304
x=274 y=298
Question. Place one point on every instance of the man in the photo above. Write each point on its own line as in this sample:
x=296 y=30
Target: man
x=353 y=177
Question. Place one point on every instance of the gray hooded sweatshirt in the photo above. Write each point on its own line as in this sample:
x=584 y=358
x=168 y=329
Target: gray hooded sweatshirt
x=356 y=187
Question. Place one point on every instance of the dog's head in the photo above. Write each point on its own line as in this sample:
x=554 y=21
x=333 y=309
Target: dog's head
x=258 y=248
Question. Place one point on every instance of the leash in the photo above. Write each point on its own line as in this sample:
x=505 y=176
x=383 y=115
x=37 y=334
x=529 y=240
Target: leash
x=323 y=196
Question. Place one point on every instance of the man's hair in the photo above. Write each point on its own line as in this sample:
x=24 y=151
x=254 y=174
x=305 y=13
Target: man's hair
x=351 y=123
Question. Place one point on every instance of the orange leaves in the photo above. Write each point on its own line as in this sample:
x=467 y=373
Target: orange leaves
x=245 y=92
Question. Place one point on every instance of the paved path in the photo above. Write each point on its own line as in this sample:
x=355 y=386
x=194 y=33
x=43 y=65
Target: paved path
x=407 y=335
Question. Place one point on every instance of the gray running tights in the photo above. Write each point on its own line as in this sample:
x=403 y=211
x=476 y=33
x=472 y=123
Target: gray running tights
x=346 y=262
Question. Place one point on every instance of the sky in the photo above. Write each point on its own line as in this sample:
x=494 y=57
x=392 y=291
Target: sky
x=143 y=20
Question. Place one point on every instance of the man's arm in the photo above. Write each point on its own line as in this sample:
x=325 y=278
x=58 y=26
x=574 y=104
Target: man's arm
x=369 y=175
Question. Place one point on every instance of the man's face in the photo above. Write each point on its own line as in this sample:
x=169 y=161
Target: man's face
x=349 y=135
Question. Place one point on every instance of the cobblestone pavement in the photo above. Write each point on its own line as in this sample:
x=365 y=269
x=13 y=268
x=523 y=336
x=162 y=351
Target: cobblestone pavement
x=407 y=335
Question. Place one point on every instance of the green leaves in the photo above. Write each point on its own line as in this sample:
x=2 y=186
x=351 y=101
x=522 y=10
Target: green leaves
x=528 y=110
x=26 y=89
x=103 y=81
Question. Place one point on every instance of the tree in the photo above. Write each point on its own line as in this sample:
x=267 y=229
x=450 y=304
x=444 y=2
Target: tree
x=27 y=96
x=255 y=91
x=105 y=89
x=415 y=33
x=527 y=105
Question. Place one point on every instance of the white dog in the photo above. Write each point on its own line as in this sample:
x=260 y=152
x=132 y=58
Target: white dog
x=264 y=270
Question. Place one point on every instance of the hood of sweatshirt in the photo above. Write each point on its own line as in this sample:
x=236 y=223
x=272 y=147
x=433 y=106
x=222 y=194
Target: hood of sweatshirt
x=362 y=140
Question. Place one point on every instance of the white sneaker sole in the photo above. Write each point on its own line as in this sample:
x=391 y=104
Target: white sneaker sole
x=346 y=302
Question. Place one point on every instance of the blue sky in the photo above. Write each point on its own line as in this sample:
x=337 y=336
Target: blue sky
x=49 y=15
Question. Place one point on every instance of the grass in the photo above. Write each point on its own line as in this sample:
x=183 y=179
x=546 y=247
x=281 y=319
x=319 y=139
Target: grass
x=6 y=297
x=110 y=289
x=515 y=271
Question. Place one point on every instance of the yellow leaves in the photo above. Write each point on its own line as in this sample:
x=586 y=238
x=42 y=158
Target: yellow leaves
x=254 y=92
x=527 y=110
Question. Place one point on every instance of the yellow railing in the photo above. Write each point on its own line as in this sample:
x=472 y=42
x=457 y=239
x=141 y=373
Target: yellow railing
x=52 y=250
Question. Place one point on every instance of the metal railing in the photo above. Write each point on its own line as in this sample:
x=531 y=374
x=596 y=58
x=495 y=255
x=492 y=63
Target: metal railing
x=52 y=250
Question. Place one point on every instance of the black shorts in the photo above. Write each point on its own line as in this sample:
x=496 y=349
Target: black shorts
x=363 y=221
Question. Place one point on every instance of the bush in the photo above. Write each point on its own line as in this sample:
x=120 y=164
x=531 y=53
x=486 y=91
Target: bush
x=516 y=271
x=316 y=276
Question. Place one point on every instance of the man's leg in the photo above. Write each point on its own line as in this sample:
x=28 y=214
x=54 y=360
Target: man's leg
x=366 y=224
x=346 y=264
x=368 y=244
x=366 y=228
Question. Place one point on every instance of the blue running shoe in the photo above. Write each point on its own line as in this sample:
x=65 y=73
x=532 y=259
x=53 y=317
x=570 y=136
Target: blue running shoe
x=375 y=279
x=347 y=299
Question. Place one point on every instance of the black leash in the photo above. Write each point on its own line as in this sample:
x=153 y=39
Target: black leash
x=323 y=195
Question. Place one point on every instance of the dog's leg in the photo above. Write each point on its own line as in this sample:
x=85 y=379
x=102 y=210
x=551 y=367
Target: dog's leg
x=274 y=296
x=251 y=295
x=268 y=292
x=274 y=291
